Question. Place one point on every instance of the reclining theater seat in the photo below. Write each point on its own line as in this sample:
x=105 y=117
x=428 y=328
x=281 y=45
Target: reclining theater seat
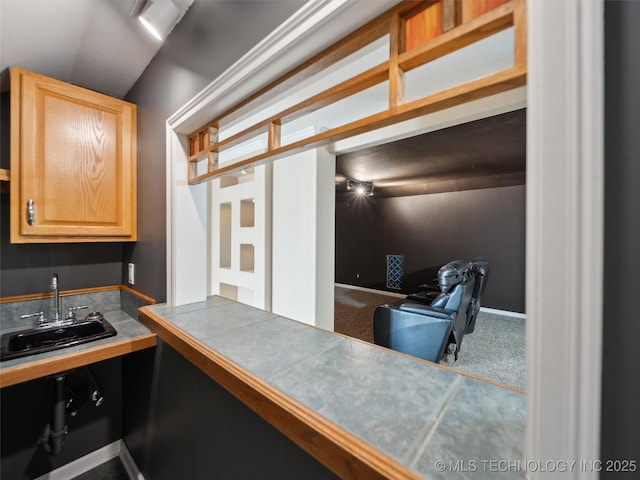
x=479 y=267
x=424 y=330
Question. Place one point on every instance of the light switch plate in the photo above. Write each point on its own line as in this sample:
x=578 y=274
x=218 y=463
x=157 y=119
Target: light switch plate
x=132 y=273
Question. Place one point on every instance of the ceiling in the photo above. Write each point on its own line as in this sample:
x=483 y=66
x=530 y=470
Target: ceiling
x=100 y=45
x=97 y=44
x=485 y=153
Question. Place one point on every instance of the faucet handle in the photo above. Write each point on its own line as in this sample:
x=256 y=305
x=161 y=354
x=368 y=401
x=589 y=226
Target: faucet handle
x=41 y=320
x=71 y=312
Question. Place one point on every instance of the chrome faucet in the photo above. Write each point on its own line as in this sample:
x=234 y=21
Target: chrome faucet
x=56 y=319
x=55 y=314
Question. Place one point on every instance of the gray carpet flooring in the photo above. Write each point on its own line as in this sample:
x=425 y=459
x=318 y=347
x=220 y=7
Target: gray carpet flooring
x=495 y=350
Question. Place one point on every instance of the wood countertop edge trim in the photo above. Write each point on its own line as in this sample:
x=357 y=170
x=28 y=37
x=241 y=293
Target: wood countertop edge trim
x=79 y=291
x=49 y=366
x=140 y=295
x=340 y=451
x=63 y=293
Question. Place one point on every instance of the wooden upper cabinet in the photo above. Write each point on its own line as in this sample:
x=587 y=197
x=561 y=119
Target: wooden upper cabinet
x=73 y=163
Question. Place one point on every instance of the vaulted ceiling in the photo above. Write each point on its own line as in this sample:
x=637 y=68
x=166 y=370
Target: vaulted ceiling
x=97 y=44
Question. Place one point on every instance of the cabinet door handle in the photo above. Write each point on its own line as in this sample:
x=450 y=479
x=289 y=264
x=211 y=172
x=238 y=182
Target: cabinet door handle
x=31 y=212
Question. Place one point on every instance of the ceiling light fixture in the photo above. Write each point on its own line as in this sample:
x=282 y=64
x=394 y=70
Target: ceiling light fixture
x=160 y=17
x=360 y=188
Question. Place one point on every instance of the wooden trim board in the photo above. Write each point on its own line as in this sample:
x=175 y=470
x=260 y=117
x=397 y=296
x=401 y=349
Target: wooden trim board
x=65 y=293
x=49 y=366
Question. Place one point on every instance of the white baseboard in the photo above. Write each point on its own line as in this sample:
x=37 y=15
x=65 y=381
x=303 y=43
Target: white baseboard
x=371 y=290
x=93 y=459
x=504 y=313
x=129 y=464
x=84 y=464
x=495 y=311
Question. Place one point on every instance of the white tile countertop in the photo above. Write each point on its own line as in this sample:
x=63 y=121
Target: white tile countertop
x=424 y=420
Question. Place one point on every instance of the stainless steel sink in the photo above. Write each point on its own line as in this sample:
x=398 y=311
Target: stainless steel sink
x=54 y=336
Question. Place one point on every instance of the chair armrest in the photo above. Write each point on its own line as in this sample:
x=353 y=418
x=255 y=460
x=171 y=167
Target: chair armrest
x=428 y=310
x=430 y=286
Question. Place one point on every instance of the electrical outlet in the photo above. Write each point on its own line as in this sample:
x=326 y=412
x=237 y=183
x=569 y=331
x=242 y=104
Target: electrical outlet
x=132 y=273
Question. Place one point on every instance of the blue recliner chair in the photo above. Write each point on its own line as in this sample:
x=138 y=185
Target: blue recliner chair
x=422 y=330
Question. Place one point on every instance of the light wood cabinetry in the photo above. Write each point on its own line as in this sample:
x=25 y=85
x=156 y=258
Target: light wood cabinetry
x=73 y=163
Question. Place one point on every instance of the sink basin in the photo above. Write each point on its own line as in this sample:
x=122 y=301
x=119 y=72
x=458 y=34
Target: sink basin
x=52 y=337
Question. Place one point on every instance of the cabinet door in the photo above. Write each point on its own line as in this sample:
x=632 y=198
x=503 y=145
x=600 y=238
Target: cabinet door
x=76 y=164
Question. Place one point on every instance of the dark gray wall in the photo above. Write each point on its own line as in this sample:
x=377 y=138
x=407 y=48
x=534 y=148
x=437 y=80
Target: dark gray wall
x=430 y=230
x=621 y=355
x=28 y=407
x=181 y=424
x=5 y=131
x=209 y=39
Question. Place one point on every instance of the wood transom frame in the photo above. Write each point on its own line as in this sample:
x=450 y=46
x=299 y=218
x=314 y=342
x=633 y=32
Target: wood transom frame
x=419 y=32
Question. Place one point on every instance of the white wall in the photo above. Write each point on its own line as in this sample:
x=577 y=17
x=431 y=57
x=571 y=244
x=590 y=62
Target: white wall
x=303 y=237
x=325 y=238
x=240 y=252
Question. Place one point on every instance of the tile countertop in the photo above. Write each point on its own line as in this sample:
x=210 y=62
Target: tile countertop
x=432 y=422
x=131 y=336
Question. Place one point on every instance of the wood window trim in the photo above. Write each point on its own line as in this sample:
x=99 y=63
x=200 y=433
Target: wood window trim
x=454 y=37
